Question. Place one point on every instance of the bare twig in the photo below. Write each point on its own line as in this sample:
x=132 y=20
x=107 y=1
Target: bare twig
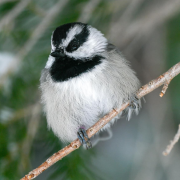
x=36 y=35
x=32 y=128
x=88 y=10
x=13 y=13
x=172 y=143
x=132 y=7
x=147 y=21
x=41 y=28
x=38 y=10
x=166 y=84
x=5 y=1
x=161 y=80
x=124 y=19
x=21 y=113
x=169 y=75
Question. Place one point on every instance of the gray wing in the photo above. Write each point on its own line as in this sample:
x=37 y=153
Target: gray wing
x=126 y=81
x=111 y=47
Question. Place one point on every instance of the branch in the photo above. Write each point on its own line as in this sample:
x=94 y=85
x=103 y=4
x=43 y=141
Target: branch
x=172 y=143
x=35 y=36
x=42 y=27
x=164 y=79
x=124 y=20
x=9 y=17
x=32 y=128
x=5 y=1
x=88 y=10
x=147 y=21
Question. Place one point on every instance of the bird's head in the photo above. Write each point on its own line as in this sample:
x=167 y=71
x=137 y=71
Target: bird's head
x=75 y=44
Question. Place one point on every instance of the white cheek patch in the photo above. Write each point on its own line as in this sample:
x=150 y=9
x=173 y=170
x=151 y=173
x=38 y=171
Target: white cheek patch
x=52 y=45
x=49 y=62
x=95 y=43
x=72 y=32
x=53 y=48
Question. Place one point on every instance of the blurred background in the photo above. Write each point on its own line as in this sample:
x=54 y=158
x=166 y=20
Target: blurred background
x=148 y=34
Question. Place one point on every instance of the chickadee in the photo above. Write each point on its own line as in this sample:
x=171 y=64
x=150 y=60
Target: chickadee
x=85 y=77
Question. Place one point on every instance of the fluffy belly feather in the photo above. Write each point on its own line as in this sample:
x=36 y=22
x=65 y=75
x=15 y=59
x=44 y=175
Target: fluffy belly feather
x=68 y=106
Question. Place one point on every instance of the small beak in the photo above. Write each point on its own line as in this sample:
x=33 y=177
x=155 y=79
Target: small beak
x=58 y=53
x=55 y=54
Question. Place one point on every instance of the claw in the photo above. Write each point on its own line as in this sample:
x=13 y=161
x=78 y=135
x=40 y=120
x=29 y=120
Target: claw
x=134 y=104
x=84 y=139
x=88 y=144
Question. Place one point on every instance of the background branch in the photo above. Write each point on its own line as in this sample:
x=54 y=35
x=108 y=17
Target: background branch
x=41 y=28
x=152 y=85
x=145 y=23
x=35 y=36
x=172 y=143
x=5 y=1
x=87 y=11
x=8 y=18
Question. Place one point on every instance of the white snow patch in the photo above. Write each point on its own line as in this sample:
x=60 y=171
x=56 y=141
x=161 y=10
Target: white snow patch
x=6 y=60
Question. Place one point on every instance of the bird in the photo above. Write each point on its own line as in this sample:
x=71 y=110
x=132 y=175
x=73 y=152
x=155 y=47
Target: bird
x=84 y=78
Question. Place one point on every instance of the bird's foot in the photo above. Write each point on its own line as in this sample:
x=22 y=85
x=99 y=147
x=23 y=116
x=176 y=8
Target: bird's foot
x=83 y=137
x=134 y=103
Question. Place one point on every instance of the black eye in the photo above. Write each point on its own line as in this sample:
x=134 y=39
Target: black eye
x=73 y=45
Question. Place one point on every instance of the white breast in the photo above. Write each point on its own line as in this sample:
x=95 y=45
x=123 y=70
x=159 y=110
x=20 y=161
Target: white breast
x=77 y=102
x=82 y=100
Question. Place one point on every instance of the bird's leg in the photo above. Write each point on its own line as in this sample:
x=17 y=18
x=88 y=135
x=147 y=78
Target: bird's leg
x=83 y=137
x=134 y=102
